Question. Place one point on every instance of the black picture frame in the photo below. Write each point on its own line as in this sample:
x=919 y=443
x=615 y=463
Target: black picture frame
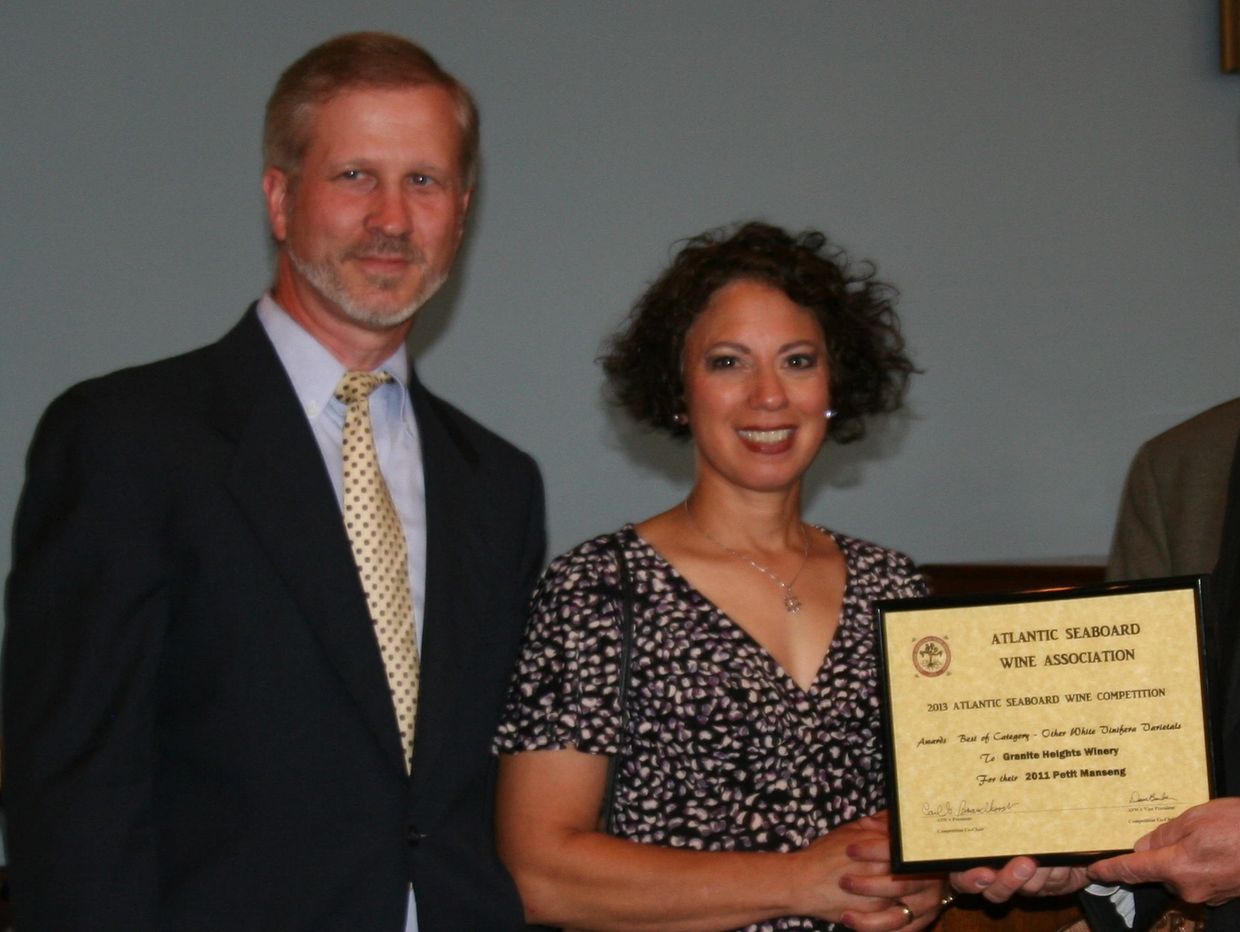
x=890 y=613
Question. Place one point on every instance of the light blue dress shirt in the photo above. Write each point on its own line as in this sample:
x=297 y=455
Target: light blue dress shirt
x=314 y=373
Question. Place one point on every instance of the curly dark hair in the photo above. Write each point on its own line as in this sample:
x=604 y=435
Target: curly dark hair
x=869 y=369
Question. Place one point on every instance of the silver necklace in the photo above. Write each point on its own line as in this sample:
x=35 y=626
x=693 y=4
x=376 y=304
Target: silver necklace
x=792 y=602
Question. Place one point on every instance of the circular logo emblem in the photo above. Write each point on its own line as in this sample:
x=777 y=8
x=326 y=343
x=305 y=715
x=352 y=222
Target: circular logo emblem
x=932 y=656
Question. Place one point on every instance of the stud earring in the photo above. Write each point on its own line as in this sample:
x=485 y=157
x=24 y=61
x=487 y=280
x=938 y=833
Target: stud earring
x=680 y=419
x=829 y=413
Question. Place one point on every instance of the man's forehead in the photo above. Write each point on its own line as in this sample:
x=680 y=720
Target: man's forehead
x=426 y=111
x=413 y=129
x=414 y=98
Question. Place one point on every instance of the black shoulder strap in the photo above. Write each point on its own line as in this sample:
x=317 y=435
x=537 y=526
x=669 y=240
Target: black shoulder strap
x=624 y=582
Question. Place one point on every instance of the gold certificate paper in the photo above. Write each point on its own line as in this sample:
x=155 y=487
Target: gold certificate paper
x=1061 y=724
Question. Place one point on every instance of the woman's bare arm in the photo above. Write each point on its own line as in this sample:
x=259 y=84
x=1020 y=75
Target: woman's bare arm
x=570 y=874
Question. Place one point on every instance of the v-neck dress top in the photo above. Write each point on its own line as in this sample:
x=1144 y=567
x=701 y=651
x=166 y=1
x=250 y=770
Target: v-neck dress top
x=723 y=751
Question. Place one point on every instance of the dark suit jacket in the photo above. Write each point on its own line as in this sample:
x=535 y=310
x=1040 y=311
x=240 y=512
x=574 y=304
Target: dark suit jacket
x=1226 y=646
x=197 y=725
x=1224 y=631
x=1171 y=514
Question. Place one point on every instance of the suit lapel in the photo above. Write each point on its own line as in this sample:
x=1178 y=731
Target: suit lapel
x=280 y=484
x=455 y=555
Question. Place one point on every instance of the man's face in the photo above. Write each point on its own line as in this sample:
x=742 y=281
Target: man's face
x=371 y=222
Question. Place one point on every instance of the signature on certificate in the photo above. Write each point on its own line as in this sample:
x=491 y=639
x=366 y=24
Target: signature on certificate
x=1155 y=797
x=967 y=808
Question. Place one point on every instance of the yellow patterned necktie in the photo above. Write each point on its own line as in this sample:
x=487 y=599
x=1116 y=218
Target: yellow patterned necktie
x=378 y=543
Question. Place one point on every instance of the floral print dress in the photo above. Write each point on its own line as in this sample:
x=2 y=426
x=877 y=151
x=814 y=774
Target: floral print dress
x=723 y=751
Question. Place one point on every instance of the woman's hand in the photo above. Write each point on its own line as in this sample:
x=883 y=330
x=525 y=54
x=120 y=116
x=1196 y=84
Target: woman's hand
x=914 y=901
x=825 y=866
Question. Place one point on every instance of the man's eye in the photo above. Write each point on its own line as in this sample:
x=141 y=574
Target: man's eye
x=421 y=181
x=351 y=174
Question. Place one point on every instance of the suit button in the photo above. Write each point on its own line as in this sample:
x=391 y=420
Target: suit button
x=413 y=836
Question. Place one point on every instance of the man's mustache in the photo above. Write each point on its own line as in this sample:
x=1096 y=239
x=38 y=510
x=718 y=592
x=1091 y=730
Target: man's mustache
x=388 y=247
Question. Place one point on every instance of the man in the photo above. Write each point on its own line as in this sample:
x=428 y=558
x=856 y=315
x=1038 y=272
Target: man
x=1196 y=855
x=1171 y=513
x=208 y=709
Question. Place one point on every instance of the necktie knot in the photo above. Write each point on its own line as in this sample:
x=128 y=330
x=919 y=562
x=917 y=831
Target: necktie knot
x=357 y=386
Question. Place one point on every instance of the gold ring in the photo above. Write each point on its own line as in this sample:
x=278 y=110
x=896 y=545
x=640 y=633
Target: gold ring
x=908 y=911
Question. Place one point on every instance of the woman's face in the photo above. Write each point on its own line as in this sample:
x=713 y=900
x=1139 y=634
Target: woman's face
x=756 y=387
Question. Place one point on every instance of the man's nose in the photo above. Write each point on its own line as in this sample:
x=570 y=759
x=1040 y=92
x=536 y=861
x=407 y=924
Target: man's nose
x=390 y=212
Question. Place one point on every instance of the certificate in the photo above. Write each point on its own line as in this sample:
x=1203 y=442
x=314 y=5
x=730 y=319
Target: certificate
x=1062 y=724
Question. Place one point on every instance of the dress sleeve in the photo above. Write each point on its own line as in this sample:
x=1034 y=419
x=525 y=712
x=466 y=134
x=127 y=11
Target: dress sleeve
x=888 y=574
x=906 y=578
x=564 y=690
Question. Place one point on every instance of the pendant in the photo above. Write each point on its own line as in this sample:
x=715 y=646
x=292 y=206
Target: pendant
x=791 y=603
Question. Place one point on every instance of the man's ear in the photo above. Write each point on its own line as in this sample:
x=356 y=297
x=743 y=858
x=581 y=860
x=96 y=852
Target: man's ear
x=276 y=194
x=460 y=229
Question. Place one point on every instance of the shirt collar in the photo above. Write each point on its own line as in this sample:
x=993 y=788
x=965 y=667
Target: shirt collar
x=312 y=369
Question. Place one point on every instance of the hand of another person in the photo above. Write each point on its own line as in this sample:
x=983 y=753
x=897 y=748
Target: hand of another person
x=915 y=900
x=1196 y=854
x=1020 y=876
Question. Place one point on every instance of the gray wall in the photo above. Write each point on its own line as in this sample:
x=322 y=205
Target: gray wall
x=1053 y=185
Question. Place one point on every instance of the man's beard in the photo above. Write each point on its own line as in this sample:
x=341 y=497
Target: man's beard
x=326 y=278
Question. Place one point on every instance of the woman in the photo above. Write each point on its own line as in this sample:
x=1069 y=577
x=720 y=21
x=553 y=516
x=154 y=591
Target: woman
x=749 y=767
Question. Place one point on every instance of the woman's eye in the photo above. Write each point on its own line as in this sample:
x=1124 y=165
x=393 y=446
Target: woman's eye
x=802 y=361
x=722 y=362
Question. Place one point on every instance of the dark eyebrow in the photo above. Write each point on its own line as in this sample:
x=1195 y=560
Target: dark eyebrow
x=728 y=344
x=742 y=348
x=795 y=343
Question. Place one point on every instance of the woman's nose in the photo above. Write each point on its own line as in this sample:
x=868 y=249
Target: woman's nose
x=768 y=390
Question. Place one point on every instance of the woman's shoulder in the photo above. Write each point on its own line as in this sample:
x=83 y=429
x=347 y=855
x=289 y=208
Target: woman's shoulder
x=595 y=550
x=865 y=557
x=591 y=563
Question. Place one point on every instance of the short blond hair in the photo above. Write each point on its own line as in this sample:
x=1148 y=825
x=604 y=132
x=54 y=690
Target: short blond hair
x=357 y=60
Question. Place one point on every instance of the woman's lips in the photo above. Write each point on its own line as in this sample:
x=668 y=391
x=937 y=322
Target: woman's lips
x=775 y=435
x=772 y=440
